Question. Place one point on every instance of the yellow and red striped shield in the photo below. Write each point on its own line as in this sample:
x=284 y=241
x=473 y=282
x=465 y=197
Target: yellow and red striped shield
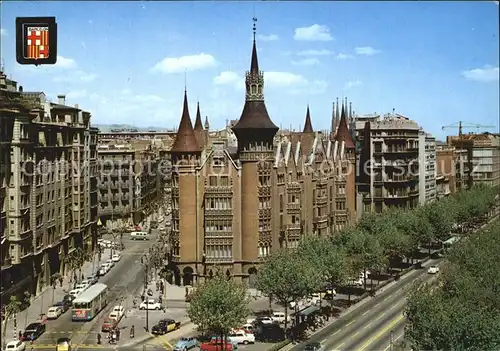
x=37 y=43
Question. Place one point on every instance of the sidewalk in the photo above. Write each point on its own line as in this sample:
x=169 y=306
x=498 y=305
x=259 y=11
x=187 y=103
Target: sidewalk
x=48 y=297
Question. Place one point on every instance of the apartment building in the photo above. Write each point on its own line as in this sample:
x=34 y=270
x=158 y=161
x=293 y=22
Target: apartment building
x=129 y=180
x=427 y=169
x=48 y=198
x=388 y=169
x=485 y=156
x=236 y=201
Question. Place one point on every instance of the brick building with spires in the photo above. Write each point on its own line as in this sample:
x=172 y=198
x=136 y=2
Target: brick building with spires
x=233 y=206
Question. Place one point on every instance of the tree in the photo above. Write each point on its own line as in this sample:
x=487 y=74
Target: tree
x=218 y=305
x=461 y=311
x=11 y=309
x=287 y=277
x=53 y=282
x=440 y=216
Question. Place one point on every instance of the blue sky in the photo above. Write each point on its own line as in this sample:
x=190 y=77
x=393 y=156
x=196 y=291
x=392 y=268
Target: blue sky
x=436 y=62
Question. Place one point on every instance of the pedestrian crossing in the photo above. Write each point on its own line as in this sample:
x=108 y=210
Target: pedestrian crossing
x=54 y=346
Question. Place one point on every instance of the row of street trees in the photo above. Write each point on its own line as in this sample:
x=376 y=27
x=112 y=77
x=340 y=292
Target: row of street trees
x=461 y=310
x=375 y=243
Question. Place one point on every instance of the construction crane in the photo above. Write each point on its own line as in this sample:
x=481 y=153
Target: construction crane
x=461 y=125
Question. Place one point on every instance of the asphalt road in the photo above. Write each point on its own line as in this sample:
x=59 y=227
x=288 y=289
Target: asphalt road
x=123 y=279
x=369 y=326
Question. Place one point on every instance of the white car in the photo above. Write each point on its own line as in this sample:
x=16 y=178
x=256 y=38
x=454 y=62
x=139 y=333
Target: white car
x=150 y=305
x=110 y=263
x=119 y=310
x=54 y=312
x=105 y=267
x=15 y=345
x=82 y=286
x=240 y=337
x=264 y=320
x=116 y=257
x=75 y=292
x=279 y=317
x=105 y=243
x=433 y=270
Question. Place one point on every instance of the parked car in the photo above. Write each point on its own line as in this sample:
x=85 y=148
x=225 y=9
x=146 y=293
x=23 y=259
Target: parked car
x=116 y=257
x=54 y=312
x=164 y=326
x=64 y=305
x=279 y=317
x=185 y=344
x=240 y=337
x=69 y=298
x=92 y=279
x=107 y=325
x=82 y=286
x=150 y=305
x=15 y=345
x=433 y=270
x=110 y=263
x=63 y=344
x=33 y=331
x=314 y=346
x=105 y=267
x=264 y=320
x=248 y=328
x=216 y=344
x=75 y=292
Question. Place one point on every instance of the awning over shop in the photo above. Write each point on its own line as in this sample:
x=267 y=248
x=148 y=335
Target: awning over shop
x=308 y=310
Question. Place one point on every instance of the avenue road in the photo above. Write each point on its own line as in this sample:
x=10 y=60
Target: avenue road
x=369 y=326
x=123 y=279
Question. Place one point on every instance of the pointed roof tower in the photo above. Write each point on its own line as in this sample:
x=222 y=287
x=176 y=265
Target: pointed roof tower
x=308 y=125
x=185 y=140
x=207 y=125
x=343 y=133
x=333 y=125
x=254 y=117
x=198 y=127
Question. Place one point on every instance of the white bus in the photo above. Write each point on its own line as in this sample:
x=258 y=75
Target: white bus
x=90 y=302
x=139 y=236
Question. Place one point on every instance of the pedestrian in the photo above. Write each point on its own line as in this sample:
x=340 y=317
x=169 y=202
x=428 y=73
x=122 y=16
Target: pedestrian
x=20 y=335
x=98 y=338
x=60 y=281
x=117 y=334
x=157 y=285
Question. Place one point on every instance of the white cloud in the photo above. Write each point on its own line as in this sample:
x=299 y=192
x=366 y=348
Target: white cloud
x=280 y=79
x=228 y=77
x=367 y=51
x=182 y=63
x=3 y=32
x=76 y=94
x=343 y=56
x=64 y=62
x=311 y=61
x=270 y=37
x=76 y=76
x=353 y=83
x=485 y=74
x=322 y=52
x=316 y=32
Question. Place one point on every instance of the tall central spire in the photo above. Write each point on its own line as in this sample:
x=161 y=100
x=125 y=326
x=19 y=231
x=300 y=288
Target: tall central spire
x=254 y=66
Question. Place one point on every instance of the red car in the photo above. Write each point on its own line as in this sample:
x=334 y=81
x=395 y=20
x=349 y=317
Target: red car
x=216 y=345
x=108 y=325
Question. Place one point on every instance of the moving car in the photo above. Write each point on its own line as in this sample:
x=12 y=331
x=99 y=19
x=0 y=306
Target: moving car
x=150 y=305
x=433 y=270
x=33 y=331
x=164 y=326
x=54 y=312
x=15 y=345
x=240 y=337
x=314 y=346
x=185 y=344
x=119 y=310
x=63 y=344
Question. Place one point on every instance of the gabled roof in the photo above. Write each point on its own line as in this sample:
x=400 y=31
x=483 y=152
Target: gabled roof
x=185 y=140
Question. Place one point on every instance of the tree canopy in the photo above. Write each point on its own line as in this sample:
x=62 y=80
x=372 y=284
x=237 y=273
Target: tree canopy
x=219 y=304
x=462 y=310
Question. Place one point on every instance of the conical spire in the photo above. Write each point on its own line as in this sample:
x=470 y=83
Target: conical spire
x=197 y=124
x=334 y=121
x=185 y=140
x=254 y=65
x=343 y=131
x=207 y=125
x=308 y=125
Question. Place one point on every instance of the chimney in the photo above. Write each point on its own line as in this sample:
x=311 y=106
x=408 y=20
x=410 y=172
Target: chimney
x=62 y=99
x=20 y=88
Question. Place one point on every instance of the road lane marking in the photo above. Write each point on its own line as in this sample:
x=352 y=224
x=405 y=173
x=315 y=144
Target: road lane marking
x=381 y=315
x=350 y=322
x=365 y=313
x=385 y=298
x=393 y=341
x=353 y=335
x=53 y=346
x=368 y=325
x=382 y=332
x=339 y=346
x=378 y=303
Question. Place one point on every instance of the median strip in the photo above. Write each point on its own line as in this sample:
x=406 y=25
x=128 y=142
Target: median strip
x=382 y=332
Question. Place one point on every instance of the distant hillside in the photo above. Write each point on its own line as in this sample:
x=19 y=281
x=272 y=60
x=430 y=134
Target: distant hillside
x=108 y=127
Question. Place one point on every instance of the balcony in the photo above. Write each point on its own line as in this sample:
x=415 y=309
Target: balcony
x=218 y=260
x=219 y=189
x=321 y=181
x=218 y=234
x=321 y=219
x=217 y=212
x=293 y=206
x=264 y=212
x=264 y=190
x=293 y=226
x=322 y=199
